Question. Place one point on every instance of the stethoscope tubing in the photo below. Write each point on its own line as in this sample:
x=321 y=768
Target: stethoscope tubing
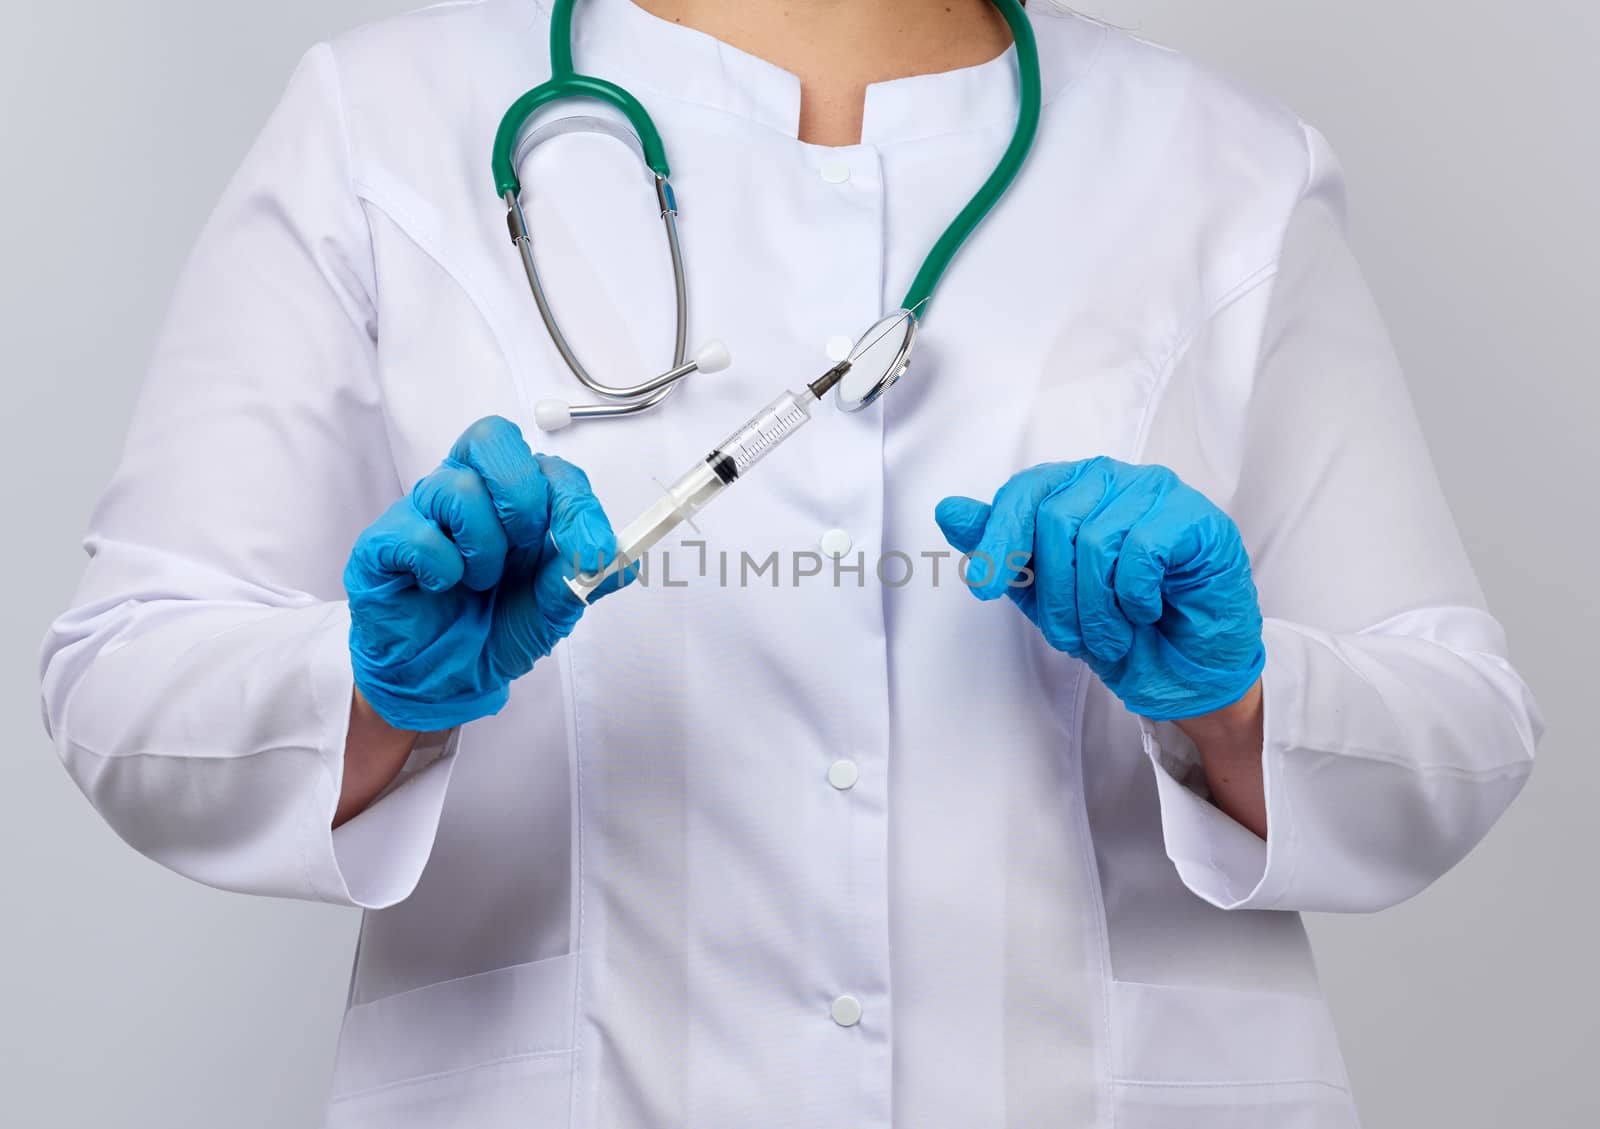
x=566 y=83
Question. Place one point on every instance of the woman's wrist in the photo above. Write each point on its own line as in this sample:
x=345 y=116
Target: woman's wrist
x=374 y=754
x=1230 y=742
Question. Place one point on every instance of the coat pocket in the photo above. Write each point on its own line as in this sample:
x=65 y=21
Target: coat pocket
x=489 y=1051
x=1209 y=1058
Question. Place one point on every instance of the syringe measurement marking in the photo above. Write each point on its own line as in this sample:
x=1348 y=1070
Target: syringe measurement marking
x=755 y=443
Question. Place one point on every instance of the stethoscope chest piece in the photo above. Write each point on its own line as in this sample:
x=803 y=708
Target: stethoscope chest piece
x=879 y=358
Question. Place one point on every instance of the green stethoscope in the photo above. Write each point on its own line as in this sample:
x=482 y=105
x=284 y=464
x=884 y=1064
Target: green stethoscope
x=880 y=356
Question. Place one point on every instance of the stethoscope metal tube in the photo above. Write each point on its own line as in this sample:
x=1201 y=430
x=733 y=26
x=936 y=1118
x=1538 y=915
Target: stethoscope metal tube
x=628 y=399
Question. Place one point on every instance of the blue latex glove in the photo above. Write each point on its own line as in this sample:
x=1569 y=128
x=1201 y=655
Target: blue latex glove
x=1135 y=573
x=458 y=589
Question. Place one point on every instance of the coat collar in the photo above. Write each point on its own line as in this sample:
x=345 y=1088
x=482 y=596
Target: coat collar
x=620 y=41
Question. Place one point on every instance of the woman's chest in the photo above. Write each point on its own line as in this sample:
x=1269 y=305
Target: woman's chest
x=1043 y=342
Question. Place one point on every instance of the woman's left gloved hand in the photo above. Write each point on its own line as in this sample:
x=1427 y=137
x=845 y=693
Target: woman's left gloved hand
x=1133 y=572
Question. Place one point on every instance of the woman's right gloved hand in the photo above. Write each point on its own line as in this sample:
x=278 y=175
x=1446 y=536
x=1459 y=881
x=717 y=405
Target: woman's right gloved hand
x=459 y=588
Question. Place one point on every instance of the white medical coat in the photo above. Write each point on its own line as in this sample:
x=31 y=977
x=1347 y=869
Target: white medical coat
x=632 y=898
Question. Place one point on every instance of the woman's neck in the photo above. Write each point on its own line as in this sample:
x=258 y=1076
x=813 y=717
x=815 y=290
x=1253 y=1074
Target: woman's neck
x=840 y=47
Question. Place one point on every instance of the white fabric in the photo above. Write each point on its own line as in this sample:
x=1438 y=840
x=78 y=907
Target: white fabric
x=631 y=898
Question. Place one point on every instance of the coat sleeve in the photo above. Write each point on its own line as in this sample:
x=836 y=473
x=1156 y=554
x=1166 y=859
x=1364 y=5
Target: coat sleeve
x=199 y=689
x=1397 y=730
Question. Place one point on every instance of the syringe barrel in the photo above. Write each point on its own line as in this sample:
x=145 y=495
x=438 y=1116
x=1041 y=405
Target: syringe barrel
x=702 y=482
x=764 y=431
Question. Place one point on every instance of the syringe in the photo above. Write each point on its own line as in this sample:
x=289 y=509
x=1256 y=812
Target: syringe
x=711 y=476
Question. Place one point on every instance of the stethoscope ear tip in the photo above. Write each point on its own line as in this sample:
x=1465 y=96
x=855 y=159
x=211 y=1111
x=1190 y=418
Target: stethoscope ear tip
x=552 y=415
x=713 y=356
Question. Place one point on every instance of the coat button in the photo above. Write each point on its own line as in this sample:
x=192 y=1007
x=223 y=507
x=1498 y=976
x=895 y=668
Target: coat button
x=834 y=171
x=836 y=543
x=843 y=775
x=838 y=347
x=846 y=1011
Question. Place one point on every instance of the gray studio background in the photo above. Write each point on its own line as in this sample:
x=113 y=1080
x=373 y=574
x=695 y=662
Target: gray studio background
x=129 y=997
